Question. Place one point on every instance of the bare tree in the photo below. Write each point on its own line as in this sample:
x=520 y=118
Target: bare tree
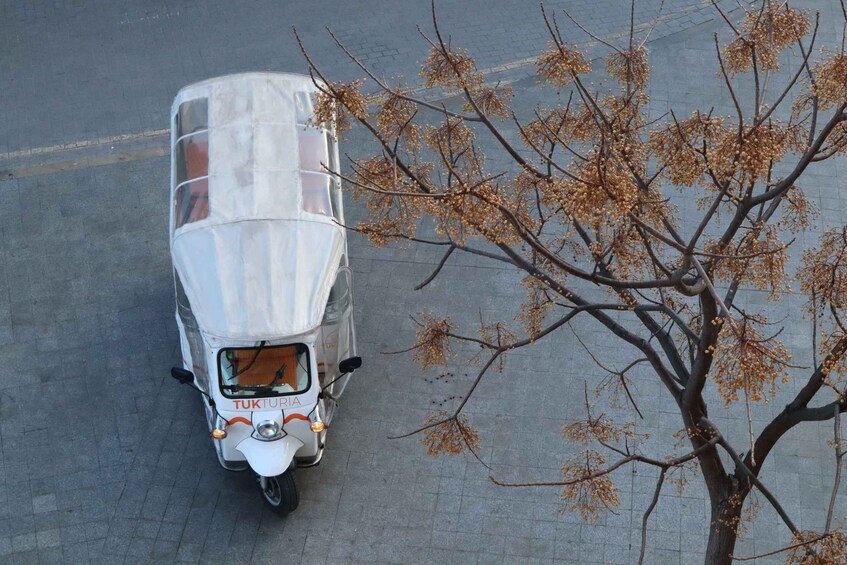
x=592 y=205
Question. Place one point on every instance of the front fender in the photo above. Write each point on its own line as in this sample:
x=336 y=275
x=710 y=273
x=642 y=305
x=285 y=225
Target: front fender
x=269 y=458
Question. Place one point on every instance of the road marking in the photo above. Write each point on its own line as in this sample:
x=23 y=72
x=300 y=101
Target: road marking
x=84 y=143
x=75 y=164
x=150 y=18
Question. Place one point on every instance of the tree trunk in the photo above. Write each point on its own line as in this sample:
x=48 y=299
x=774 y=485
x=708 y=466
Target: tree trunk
x=723 y=531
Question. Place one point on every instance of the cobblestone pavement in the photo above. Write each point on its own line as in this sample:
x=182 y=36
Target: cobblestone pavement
x=104 y=458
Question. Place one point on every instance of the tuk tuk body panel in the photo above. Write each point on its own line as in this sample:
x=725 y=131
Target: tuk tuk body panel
x=292 y=412
x=270 y=459
x=242 y=427
x=259 y=279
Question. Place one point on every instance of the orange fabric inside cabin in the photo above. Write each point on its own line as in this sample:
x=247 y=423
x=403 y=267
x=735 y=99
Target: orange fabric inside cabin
x=197 y=163
x=264 y=369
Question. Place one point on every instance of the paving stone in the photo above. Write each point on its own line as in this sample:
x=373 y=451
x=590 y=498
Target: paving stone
x=23 y=542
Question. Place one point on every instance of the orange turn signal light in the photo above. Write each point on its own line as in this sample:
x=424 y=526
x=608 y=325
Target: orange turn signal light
x=317 y=427
x=218 y=434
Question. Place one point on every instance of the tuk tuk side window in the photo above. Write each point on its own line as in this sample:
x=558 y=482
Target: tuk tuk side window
x=191 y=162
x=335 y=192
x=193 y=115
x=315 y=187
x=339 y=296
x=303 y=104
x=313 y=150
x=192 y=157
x=264 y=371
x=332 y=164
x=191 y=202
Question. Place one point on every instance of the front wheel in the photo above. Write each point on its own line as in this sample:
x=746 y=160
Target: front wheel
x=280 y=492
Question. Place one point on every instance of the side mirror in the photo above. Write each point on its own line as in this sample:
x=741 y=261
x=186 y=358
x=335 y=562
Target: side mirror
x=183 y=376
x=350 y=365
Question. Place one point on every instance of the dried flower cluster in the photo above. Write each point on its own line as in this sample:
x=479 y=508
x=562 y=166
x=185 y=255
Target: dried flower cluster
x=559 y=64
x=758 y=262
x=679 y=146
x=747 y=362
x=629 y=67
x=395 y=119
x=450 y=435
x=602 y=193
x=491 y=101
x=824 y=271
x=798 y=211
x=559 y=125
x=380 y=183
x=834 y=365
x=433 y=345
x=536 y=307
x=591 y=489
x=831 y=81
x=600 y=429
x=450 y=69
x=753 y=154
x=763 y=35
x=815 y=548
x=339 y=103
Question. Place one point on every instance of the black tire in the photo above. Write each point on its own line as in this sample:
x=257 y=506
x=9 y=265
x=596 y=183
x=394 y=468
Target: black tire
x=281 y=494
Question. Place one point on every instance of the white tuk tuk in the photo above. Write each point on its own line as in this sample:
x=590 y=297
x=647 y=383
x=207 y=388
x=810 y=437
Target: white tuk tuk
x=263 y=286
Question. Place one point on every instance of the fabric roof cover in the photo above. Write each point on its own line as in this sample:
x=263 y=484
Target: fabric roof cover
x=258 y=267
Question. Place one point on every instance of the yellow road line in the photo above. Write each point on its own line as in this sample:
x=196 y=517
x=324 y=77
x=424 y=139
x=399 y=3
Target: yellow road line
x=74 y=164
x=84 y=143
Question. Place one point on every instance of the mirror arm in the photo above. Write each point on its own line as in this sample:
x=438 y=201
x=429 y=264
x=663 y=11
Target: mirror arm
x=323 y=391
x=203 y=392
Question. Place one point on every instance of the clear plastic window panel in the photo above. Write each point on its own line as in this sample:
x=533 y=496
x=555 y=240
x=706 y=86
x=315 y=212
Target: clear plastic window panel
x=192 y=116
x=191 y=202
x=313 y=150
x=330 y=150
x=339 y=297
x=192 y=334
x=192 y=157
x=335 y=193
x=303 y=104
x=315 y=188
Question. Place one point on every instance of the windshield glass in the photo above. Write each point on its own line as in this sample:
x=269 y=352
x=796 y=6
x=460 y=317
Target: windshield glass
x=264 y=371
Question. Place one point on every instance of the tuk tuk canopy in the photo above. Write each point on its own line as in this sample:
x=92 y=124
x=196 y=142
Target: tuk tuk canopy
x=254 y=227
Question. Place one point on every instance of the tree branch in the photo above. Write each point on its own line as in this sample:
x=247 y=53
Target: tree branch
x=437 y=270
x=662 y=464
x=650 y=508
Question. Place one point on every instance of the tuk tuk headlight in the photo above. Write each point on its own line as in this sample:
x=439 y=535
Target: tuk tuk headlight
x=268 y=429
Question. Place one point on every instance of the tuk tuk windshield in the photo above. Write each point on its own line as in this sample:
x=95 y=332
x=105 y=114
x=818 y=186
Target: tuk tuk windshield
x=264 y=370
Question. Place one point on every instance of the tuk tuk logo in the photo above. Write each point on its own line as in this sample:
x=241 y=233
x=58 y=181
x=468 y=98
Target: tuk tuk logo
x=267 y=403
x=295 y=416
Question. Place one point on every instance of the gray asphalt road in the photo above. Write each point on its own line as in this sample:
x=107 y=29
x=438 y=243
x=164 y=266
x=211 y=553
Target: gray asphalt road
x=86 y=69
